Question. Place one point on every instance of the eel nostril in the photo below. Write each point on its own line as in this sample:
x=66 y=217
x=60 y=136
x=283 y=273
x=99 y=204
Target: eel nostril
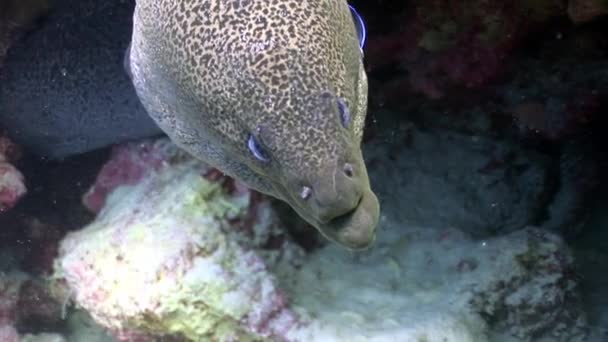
x=306 y=192
x=349 y=171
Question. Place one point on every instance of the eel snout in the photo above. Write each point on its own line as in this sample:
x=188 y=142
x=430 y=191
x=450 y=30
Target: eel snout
x=343 y=207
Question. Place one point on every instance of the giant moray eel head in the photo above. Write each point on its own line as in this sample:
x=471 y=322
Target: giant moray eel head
x=313 y=161
x=272 y=92
x=305 y=137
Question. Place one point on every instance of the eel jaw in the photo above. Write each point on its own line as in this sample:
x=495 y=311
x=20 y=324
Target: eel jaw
x=355 y=230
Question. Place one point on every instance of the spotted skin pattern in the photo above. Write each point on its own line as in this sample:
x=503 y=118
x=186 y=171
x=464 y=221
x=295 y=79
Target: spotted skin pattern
x=213 y=72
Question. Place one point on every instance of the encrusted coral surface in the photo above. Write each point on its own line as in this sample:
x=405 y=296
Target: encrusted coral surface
x=185 y=252
x=176 y=254
x=12 y=183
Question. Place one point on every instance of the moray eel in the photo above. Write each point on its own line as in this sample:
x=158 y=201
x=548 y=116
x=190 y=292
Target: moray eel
x=63 y=89
x=271 y=92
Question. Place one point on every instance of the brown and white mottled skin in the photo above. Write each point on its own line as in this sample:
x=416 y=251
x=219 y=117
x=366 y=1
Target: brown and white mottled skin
x=212 y=72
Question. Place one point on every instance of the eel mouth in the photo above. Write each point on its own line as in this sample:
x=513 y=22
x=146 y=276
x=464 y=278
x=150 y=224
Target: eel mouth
x=357 y=228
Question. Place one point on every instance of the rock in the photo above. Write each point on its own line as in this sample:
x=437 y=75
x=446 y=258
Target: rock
x=63 y=89
x=424 y=284
x=559 y=99
x=10 y=285
x=197 y=256
x=81 y=327
x=37 y=308
x=42 y=338
x=25 y=302
x=129 y=163
x=179 y=254
x=441 y=178
x=12 y=185
x=8 y=334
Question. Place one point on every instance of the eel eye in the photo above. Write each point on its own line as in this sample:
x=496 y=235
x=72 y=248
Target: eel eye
x=256 y=149
x=344 y=113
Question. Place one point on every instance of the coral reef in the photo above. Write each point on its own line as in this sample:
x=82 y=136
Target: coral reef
x=196 y=254
x=437 y=285
x=23 y=299
x=443 y=44
x=43 y=240
x=12 y=186
x=36 y=306
x=8 y=334
x=184 y=251
x=549 y=109
x=42 y=338
x=9 y=294
x=500 y=188
x=481 y=179
x=128 y=164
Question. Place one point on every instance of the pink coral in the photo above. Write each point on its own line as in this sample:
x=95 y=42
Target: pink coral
x=8 y=334
x=127 y=165
x=185 y=243
x=12 y=185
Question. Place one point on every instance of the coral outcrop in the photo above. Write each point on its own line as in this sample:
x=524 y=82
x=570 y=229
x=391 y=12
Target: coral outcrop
x=12 y=184
x=23 y=299
x=180 y=253
x=184 y=251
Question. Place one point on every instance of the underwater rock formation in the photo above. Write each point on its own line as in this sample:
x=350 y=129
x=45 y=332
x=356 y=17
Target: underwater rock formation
x=530 y=137
x=9 y=294
x=560 y=99
x=128 y=164
x=185 y=251
x=24 y=300
x=181 y=253
x=12 y=186
x=440 y=285
x=444 y=45
x=487 y=186
x=44 y=337
x=442 y=48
